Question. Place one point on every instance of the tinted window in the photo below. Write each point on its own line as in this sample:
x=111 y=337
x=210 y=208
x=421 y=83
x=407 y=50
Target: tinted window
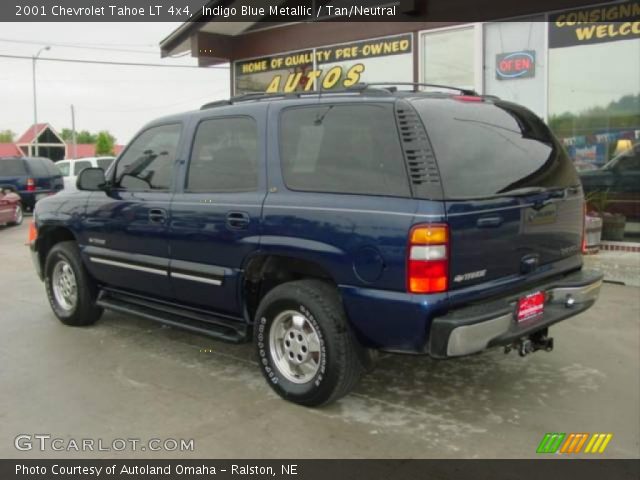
x=484 y=149
x=224 y=156
x=343 y=149
x=64 y=168
x=10 y=168
x=104 y=163
x=148 y=162
x=80 y=165
x=38 y=167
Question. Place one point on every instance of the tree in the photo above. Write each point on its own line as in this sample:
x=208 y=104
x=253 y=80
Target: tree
x=7 y=136
x=104 y=143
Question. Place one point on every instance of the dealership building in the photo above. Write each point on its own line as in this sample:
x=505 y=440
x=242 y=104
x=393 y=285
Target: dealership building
x=576 y=63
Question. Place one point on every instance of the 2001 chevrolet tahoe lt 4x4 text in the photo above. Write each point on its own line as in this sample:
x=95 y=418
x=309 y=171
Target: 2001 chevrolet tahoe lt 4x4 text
x=325 y=226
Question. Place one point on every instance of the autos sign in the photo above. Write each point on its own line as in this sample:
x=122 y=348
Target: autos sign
x=516 y=65
x=323 y=67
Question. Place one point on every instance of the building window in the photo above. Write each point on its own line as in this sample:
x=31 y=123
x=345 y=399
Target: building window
x=515 y=62
x=449 y=57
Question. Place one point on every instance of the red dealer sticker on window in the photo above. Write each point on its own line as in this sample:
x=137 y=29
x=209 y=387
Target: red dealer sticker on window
x=530 y=306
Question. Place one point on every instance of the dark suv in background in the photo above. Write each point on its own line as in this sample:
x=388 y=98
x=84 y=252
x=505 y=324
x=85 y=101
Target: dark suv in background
x=323 y=226
x=32 y=178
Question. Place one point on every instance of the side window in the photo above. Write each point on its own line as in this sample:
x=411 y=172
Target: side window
x=64 y=168
x=148 y=162
x=343 y=149
x=104 y=163
x=224 y=157
x=79 y=165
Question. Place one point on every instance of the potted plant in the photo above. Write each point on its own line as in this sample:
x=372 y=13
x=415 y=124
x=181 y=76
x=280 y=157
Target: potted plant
x=613 y=224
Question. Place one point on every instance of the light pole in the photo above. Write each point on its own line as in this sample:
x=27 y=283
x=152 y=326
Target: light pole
x=35 y=102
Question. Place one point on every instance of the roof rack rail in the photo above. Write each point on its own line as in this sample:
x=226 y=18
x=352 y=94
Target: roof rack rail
x=358 y=88
x=392 y=86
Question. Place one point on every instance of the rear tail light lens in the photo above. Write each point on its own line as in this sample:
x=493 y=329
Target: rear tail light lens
x=428 y=259
x=31 y=185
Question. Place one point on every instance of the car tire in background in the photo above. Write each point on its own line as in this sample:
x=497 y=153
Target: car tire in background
x=305 y=347
x=72 y=292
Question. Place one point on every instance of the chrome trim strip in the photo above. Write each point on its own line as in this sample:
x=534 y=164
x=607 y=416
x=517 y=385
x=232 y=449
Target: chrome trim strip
x=184 y=276
x=130 y=266
x=353 y=210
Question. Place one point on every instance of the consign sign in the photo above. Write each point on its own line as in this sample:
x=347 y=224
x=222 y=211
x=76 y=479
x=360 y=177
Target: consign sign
x=516 y=65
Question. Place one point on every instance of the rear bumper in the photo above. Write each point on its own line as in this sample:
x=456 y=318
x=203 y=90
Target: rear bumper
x=474 y=328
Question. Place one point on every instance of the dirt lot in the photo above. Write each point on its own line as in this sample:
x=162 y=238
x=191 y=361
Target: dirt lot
x=131 y=378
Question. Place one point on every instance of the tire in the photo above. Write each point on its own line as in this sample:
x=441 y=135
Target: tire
x=18 y=216
x=72 y=292
x=323 y=360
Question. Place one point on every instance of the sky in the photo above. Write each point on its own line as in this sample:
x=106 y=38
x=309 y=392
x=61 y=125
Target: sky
x=120 y=99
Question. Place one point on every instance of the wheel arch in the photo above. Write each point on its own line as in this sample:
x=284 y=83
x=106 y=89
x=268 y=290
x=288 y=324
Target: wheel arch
x=48 y=237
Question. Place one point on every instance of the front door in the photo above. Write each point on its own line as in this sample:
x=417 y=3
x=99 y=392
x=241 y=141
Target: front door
x=124 y=235
x=216 y=213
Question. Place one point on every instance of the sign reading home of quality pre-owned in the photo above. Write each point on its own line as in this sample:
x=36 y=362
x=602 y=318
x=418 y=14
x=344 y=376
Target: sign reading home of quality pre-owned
x=337 y=66
x=510 y=66
x=605 y=23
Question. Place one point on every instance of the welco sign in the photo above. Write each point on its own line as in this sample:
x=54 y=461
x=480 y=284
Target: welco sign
x=514 y=65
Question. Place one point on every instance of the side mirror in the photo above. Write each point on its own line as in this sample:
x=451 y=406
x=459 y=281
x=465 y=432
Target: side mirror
x=91 y=179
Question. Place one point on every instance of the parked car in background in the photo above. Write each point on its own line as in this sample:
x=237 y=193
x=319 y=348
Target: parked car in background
x=10 y=206
x=70 y=169
x=33 y=178
x=620 y=179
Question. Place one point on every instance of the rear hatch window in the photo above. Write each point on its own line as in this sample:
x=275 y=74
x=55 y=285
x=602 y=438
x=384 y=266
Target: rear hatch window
x=12 y=168
x=485 y=148
x=512 y=196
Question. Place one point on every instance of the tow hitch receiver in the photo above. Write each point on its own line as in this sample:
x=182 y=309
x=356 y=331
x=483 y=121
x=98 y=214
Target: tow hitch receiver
x=532 y=343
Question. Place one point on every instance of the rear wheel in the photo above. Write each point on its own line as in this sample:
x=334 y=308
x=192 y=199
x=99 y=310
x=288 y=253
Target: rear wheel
x=306 y=350
x=71 y=291
x=18 y=215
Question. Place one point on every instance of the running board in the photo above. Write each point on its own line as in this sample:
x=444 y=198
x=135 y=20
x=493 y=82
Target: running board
x=195 y=321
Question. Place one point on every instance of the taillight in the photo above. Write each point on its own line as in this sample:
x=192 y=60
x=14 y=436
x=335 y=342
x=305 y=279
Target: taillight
x=33 y=232
x=31 y=185
x=428 y=259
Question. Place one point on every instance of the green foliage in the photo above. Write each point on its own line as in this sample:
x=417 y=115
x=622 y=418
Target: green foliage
x=622 y=113
x=7 y=136
x=104 y=143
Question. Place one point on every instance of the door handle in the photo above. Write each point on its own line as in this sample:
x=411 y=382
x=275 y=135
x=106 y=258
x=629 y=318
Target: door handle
x=157 y=215
x=238 y=220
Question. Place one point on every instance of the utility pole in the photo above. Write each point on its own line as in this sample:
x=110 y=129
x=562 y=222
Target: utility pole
x=35 y=100
x=73 y=133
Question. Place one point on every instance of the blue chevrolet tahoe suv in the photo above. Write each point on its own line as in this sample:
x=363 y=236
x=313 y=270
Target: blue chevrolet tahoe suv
x=326 y=226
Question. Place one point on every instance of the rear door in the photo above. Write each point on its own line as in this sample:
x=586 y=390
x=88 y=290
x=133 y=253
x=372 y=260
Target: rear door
x=216 y=212
x=513 y=199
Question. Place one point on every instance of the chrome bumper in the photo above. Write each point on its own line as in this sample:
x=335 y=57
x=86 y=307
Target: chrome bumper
x=473 y=329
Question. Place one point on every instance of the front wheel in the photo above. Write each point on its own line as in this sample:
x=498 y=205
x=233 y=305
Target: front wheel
x=306 y=350
x=71 y=290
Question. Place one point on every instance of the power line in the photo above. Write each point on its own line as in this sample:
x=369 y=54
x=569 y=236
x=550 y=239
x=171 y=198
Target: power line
x=70 y=45
x=105 y=62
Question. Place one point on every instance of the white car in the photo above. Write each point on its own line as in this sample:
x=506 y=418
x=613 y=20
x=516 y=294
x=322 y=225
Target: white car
x=70 y=169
